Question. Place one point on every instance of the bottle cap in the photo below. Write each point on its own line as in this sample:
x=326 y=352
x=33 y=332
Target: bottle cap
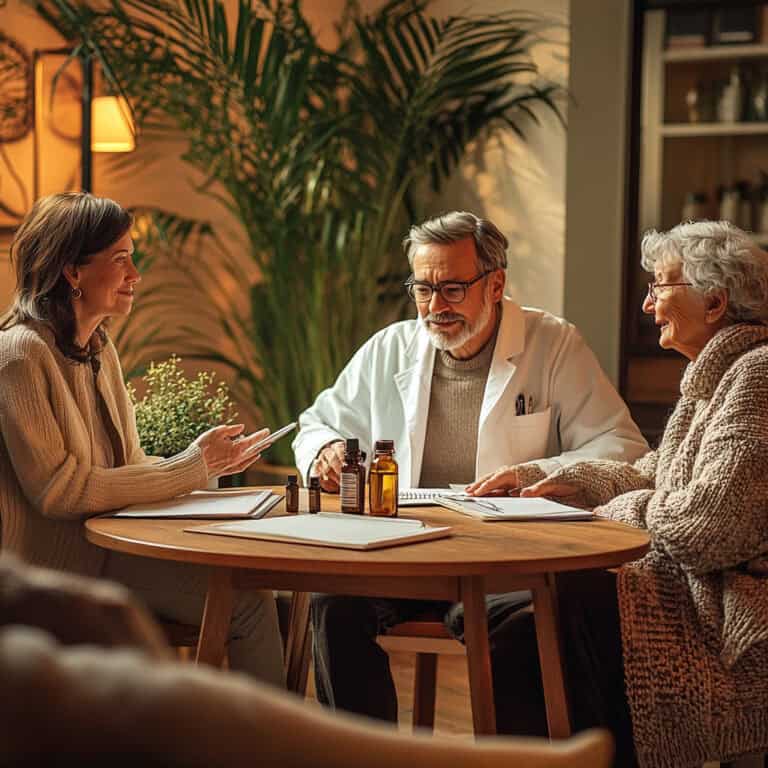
x=293 y=479
x=353 y=445
x=385 y=445
x=314 y=482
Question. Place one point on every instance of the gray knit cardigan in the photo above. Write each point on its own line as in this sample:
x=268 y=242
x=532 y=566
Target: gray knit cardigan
x=694 y=610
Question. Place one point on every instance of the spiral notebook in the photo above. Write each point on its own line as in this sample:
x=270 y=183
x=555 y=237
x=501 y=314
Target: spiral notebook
x=495 y=508
x=422 y=497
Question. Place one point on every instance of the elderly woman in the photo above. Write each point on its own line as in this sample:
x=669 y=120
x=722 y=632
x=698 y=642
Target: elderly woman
x=69 y=448
x=694 y=611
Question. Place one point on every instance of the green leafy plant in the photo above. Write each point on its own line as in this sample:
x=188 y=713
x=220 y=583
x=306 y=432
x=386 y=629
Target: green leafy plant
x=324 y=157
x=175 y=410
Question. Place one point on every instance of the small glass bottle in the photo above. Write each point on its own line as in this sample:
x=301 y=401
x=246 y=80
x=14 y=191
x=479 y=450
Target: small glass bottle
x=382 y=500
x=314 y=495
x=352 y=480
x=292 y=495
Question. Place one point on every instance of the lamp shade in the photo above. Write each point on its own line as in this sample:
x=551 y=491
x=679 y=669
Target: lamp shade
x=112 y=130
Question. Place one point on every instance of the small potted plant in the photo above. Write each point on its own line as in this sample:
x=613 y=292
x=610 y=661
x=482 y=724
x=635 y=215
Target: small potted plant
x=175 y=409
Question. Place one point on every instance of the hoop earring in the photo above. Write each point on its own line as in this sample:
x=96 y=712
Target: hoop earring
x=77 y=293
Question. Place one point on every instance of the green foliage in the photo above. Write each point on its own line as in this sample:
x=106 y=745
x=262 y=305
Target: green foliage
x=325 y=158
x=176 y=410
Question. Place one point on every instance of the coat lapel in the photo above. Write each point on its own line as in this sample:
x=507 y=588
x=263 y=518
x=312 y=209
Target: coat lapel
x=509 y=344
x=414 y=385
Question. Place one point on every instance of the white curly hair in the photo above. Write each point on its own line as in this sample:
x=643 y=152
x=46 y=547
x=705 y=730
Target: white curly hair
x=715 y=255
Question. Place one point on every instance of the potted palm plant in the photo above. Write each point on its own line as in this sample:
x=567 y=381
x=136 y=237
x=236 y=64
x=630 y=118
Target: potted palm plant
x=322 y=155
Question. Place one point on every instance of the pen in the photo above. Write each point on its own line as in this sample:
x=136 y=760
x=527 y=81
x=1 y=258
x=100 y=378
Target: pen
x=520 y=405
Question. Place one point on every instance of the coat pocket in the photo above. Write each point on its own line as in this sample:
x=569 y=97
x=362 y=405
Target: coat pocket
x=529 y=435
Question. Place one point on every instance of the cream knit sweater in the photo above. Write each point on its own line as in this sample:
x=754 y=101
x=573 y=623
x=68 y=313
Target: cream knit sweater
x=694 y=610
x=49 y=435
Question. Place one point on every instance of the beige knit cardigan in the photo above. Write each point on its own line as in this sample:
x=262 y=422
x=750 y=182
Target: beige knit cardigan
x=48 y=482
x=694 y=611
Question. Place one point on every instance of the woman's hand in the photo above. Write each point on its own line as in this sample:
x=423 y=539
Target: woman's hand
x=552 y=490
x=502 y=482
x=224 y=453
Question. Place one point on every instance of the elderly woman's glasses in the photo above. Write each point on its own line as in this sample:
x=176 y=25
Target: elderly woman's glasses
x=452 y=291
x=654 y=287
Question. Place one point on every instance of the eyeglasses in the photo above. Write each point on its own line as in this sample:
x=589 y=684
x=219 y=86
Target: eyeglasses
x=452 y=291
x=653 y=287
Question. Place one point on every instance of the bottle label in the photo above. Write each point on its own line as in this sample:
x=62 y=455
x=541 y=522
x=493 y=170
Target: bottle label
x=350 y=498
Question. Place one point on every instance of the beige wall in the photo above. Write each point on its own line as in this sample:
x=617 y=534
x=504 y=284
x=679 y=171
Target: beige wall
x=520 y=185
x=596 y=171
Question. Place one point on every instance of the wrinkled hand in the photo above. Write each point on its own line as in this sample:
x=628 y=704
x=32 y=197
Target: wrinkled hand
x=226 y=451
x=502 y=482
x=552 y=490
x=327 y=466
x=75 y=609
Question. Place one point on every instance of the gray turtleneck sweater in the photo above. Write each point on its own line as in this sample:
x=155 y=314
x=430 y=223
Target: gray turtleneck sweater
x=455 y=400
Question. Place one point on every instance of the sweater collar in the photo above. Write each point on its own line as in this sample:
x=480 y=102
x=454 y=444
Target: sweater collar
x=702 y=376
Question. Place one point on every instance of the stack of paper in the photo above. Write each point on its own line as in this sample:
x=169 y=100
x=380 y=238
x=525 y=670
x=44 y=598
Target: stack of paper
x=505 y=508
x=330 y=530
x=207 y=505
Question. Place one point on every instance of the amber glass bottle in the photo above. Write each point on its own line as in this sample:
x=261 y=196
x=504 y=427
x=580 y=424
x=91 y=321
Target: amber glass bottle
x=382 y=501
x=314 y=495
x=352 y=480
x=292 y=495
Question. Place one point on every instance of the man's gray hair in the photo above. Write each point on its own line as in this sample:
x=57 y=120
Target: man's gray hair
x=715 y=255
x=490 y=244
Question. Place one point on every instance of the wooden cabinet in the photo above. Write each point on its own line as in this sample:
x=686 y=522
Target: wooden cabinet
x=689 y=138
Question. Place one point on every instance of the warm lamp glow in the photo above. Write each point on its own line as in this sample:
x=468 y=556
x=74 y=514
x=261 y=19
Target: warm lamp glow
x=111 y=125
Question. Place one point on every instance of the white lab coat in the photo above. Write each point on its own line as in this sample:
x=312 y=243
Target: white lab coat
x=383 y=394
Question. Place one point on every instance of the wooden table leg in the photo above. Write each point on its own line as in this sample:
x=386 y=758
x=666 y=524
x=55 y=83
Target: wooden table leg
x=478 y=654
x=297 y=647
x=548 y=639
x=217 y=616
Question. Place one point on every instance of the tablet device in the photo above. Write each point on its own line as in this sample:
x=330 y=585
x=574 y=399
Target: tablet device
x=271 y=438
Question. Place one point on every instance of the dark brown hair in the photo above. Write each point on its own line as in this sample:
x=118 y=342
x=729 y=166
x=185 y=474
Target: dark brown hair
x=61 y=230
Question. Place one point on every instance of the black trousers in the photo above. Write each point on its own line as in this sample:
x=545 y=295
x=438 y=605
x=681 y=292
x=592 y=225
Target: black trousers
x=352 y=671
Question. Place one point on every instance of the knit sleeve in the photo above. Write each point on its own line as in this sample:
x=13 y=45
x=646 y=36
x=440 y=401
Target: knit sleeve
x=720 y=518
x=56 y=480
x=602 y=480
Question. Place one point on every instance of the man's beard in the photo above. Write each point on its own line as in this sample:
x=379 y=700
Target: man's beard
x=447 y=342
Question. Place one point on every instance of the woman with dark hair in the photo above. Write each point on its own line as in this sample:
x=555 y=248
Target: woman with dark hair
x=69 y=448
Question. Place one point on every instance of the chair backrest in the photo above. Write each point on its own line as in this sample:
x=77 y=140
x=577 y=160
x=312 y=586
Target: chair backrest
x=177 y=714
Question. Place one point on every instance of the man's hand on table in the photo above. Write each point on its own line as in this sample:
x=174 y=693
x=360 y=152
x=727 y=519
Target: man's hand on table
x=327 y=466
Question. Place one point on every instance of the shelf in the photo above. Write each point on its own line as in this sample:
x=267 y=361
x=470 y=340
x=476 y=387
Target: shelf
x=713 y=129
x=716 y=52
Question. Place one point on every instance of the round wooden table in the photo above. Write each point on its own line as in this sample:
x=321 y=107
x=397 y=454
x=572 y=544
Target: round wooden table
x=480 y=558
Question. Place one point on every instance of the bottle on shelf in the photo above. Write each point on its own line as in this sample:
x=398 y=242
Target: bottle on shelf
x=382 y=484
x=352 y=480
x=731 y=101
x=728 y=198
x=292 y=495
x=761 y=224
x=745 y=205
x=694 y=207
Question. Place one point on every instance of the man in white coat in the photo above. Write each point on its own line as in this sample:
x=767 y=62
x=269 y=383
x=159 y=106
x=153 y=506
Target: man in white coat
x=475 y=385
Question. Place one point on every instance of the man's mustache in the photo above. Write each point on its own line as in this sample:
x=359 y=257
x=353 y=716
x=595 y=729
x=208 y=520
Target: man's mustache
x=443 y=317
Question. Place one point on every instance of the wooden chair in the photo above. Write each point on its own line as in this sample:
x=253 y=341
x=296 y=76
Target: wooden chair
x=427 y=638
